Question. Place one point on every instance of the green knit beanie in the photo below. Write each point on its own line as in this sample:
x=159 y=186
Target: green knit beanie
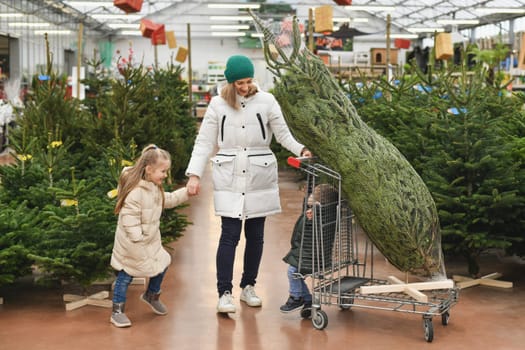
x=238 y=67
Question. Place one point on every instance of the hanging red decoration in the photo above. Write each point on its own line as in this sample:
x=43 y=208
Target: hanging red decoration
x=402 y=43
x=343 y=2
x=128 y=6
x=158 y=37
x=147 y=27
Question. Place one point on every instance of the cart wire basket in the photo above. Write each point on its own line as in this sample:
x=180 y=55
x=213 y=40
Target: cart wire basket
x=340 y=266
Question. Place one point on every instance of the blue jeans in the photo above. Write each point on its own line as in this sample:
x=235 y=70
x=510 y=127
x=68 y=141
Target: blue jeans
x=298 y=287
x=124 y=279
x=230 y=235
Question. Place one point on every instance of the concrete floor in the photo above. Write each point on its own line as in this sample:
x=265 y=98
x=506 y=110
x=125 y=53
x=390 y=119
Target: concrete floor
x=35 y=318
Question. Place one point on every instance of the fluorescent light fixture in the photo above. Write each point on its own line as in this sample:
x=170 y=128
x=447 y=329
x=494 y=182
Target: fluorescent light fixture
x=234 y=6
x=490 y=10
x=131 y=32
x=257 y=35
x=230 y=26
x=116 y=16
x=352 y=20
x=425 y=29
x=11 y=15
x=27 y=25
x=123 y=25
x=457 y=21
x=230 y=34
x=403 y=36
x=370 y=8
x=231 y=18
x=90 y=3
x=59 y=32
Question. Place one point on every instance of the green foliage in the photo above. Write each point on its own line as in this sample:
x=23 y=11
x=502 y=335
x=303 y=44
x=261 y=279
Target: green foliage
x=56 y=209
x=463 y=136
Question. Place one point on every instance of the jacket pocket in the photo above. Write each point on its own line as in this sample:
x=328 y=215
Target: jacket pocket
x=222 y=171
x=262 y=172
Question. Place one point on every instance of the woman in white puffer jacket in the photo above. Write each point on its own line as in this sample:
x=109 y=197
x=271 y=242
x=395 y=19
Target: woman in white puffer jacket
x=238 y=126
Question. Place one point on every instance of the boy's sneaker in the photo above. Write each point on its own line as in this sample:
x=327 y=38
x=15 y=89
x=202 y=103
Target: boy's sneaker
x=225 y=304
x=152 y=299
x=249 y=297
x=292 y=304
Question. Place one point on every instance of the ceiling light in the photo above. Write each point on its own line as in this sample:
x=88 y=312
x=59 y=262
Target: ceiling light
x=122 y=25
x=370 y=8
x=425 y=29
x=231 y=18
x=490 y=10
x=228 y=34
x=230 y=26
x=11 y=15
x=28 y=25
x=257 y=35
x=457 y=21
x=131 y=32
x=116 y=16
x=403 y=36
x=352 y=20
x=234 y=6
x=90 y=3
x=60 y=32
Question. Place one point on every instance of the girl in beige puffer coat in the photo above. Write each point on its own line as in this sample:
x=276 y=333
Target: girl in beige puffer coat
x=138 y=249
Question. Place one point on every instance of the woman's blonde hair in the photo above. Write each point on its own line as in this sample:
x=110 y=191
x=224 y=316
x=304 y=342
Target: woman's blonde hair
x=229 y=94
x=130 y=177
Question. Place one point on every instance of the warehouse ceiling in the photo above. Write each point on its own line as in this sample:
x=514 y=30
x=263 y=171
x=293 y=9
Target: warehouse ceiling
x=406 y=16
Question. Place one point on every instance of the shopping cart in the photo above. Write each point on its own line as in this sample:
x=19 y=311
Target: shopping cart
x=340 y=265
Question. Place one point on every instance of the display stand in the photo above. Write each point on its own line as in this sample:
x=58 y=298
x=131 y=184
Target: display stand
x=98 y=299
x=487 y=280
x=76 y=301
x=412 y=289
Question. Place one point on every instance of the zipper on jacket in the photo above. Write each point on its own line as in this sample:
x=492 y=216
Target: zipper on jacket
x=262 y=126
x=222 y=127
x=260 y=154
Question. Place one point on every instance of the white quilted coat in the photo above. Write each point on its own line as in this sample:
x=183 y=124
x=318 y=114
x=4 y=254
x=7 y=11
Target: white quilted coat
x=138 y=247
x=244 y=169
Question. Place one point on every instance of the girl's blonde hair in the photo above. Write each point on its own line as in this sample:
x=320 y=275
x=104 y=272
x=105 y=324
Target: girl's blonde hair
x=130 y=177
x=229 y=94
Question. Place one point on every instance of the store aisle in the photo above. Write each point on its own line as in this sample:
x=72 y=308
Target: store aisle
x=35 y=318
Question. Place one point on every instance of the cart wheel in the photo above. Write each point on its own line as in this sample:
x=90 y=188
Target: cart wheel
x=445 y=317
x=319 y=319
x=346 y=303
x=429 y=329
x=306 y=313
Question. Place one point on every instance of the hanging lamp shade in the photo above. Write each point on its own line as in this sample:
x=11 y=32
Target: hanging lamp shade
x=128 y=6
x=182 y=54
x=343 y=2
x=170 y=38
x=323 y=16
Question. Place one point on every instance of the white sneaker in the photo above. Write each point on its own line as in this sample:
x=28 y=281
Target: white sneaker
x=249 y=297
x=225 y=304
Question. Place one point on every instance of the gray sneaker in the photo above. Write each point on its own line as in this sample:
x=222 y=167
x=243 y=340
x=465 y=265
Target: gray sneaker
x=152 y=299
x=118 y=317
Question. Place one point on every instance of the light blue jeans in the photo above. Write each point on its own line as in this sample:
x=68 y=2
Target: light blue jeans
x=124 y=279
x=298 y=287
